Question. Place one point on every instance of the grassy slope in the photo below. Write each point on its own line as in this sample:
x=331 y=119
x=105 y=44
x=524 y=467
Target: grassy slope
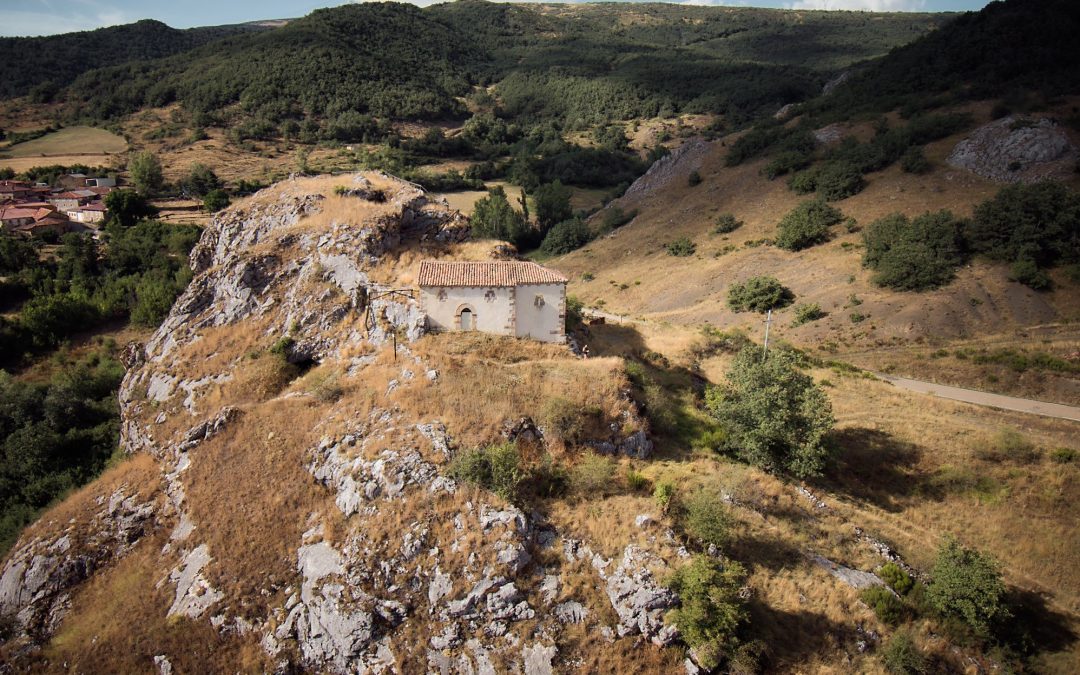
x=981 y=304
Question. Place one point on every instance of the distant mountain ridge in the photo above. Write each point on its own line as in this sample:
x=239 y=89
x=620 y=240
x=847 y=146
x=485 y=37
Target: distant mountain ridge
x=55 y=60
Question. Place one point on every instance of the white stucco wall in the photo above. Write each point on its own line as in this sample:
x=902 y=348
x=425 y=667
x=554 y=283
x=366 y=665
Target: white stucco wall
x=489 y=315
x=541 y=321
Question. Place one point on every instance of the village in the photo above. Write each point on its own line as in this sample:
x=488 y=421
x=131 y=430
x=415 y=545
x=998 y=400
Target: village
x=76 y=203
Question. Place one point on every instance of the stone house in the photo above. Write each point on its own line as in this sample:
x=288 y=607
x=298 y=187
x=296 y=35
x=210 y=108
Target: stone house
x=503 y=297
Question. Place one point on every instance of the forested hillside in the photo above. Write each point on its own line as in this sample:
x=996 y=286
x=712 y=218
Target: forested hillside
x=42 y=65
x=577 y=63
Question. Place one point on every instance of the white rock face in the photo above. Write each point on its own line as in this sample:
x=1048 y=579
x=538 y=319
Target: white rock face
x=194 y=594
x=1014 y=150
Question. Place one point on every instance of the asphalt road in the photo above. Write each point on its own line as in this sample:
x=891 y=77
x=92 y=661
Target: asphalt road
x=1025 y=405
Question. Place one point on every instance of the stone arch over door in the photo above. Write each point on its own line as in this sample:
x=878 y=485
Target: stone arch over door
x=465 y=317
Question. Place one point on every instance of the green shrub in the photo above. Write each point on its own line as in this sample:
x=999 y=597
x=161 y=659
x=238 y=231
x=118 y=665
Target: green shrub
x=916 y=254
x=496 y=468
x=1064 y=455
x=967 y=584
x=663 y=493
x=758 y=294
x=897 y=579
x=1027 y=272
x=775 y=415
x=839 y=180
x=1038 y=225
x=635 y=480
x=562 y=420
x=901 y=656
x=693 y=179
x=711 y=440
x=914 y=161
x=804 y=182
x=726 y=223
x=552 y=205
x=710 y=610
x=1009 y=445
x=888 y=608
x=215 y=200
x=593 y=476
x=806 y=225
x=614 y=217
x=681 y=248
x=806 y=313
x=566 y=236
x=705 y=518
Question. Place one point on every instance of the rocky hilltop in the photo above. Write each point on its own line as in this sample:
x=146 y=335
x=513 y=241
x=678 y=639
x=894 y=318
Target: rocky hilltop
x=287 y=505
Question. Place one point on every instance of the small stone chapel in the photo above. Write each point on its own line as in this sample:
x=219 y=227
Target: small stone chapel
x=503 y=297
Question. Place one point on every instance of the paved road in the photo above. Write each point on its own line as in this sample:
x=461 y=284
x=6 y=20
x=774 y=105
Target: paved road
x=1025 y=405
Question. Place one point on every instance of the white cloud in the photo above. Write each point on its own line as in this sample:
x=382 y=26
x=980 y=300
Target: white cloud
x=861 y=5
x=47 y=18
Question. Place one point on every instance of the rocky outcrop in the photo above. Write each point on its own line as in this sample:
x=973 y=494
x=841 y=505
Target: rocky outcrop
x=40 y=574
x=675 y=165
x=1016 y=149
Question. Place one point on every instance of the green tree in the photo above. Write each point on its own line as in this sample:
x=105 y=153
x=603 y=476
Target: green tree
x=806 y=225
x=914 y=254
x=146 y=176
x=775 y=415
x=215 y=200
x=15 y=254
x=566 y=236
x=704 y=516
x=710 y=610
x=128 y=207
x=902 y=656
x=552 y=205
x=758 y=294
x=967 y=584
x=200 y=180
x=494 y=218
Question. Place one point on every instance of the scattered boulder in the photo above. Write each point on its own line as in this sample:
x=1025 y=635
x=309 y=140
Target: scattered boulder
x=1015 y=149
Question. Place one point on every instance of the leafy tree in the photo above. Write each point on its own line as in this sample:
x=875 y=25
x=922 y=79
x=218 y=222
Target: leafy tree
x=566 y=236
x=146 y=174
x=15 y=254
x=967 y=584
x=726 y=223
x=775 y=415
x=914 y=161
x=681 y=247
x=50 y=319
x=758 y=294
x=127 y=207
x=710 y=610
x=901 y=656
x=215 y=200
x=705 y=518
x=1037 y=225
x=200 y=180
x=839 y=180
x=914 y=254
x=806 y=225
x=496 y=468
x=552 y=204
x=494 y=218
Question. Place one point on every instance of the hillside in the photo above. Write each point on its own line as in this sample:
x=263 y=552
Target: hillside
x=295 y=499
x=649 y=57
x=44 y=65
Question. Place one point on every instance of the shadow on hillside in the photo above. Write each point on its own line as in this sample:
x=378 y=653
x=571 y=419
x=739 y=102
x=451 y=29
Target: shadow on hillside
x=1035 y=627
x=872 y=466
x=794 y=636
x=668 y=394
x=772 y=553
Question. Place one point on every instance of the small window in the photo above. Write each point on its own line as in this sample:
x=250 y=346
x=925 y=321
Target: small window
x=490 y=295
x=538 y=302
x=442 y=294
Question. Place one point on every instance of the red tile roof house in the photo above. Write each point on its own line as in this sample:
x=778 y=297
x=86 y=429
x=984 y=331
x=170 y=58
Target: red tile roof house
x=94 y=212
x=15 y=190
x=503 y=297
x=73 y=199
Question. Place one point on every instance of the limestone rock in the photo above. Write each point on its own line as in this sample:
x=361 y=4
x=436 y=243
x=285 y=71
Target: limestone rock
x=1014 y=149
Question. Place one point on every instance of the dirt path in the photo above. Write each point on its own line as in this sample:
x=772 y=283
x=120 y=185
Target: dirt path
x=1025 y=405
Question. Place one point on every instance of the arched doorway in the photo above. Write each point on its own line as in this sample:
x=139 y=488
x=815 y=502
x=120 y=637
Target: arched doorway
x=466 y=319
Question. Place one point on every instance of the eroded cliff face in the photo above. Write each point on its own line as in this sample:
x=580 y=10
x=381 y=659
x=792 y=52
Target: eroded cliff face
x=288 y=506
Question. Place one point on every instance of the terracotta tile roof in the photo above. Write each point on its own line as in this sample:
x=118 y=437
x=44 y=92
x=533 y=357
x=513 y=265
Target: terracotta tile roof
x=485 y=273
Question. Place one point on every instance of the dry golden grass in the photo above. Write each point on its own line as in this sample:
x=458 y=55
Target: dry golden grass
x=486 y=381
x=117 y=624
x=76 y=140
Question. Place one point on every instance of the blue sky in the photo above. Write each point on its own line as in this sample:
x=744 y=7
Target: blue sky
x=46 y=17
